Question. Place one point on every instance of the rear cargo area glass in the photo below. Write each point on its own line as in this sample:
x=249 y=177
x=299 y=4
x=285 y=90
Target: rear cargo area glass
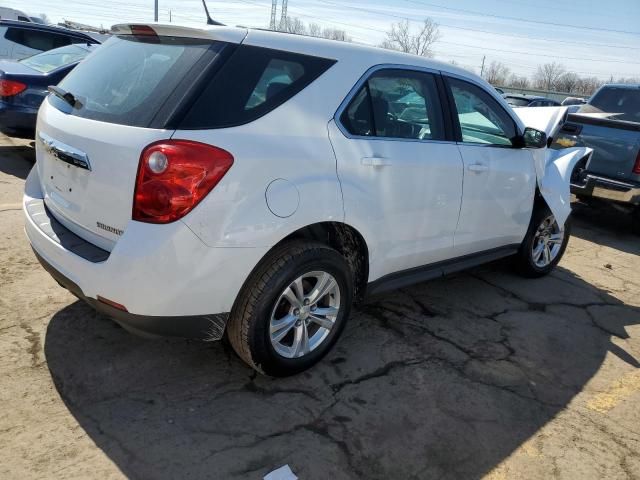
x=129 y=78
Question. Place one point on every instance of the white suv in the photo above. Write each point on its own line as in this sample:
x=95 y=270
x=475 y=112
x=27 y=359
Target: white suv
x=197 y=182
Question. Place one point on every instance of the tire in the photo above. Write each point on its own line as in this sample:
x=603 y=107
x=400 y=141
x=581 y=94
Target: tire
x=262 y=307
x=527 y=262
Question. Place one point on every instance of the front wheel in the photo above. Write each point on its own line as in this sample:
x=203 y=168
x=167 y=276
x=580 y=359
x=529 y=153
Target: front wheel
x=544 y=245
x=292 y=309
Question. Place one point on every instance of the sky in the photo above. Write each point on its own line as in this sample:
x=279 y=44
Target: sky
x=600 y=38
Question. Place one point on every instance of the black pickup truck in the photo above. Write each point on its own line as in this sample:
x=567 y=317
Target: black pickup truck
x=610 y=124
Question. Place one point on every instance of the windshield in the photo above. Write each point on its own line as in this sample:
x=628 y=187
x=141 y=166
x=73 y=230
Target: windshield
x=623 y=101
x=48 y=61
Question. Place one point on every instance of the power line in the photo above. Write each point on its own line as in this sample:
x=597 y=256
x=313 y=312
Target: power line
x=555 y=41
x=518 y=19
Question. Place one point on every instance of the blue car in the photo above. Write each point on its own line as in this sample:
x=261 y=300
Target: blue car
x=23 y=84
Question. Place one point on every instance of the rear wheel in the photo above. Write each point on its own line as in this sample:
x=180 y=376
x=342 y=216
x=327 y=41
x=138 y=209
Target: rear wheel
x=292 y=309
x=544 y=245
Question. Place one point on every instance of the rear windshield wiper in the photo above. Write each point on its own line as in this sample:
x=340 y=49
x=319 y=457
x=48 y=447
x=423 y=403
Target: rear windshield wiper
x=64 y=95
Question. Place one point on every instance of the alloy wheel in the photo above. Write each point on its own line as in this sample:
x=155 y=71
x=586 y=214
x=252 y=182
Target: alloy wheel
x=304 y=314
x=547 y=242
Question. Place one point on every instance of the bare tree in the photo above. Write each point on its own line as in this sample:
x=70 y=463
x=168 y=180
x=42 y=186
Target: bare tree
x=568 y=82
x=588 y=85
x=402 y=38
x=496 y=73
x=45 y=18
x=336 y=34
x=293 y=25
x=516 y=81
x=547 y=75
x=315 y=30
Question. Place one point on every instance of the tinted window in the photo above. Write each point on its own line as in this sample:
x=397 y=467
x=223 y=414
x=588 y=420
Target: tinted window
x=517 y=102
x=48 y=61
x=128 y=79
x=396 y=104
x=481 y=118
x=624 y=101
x=253 y=82
x=36 y=39
x=23 y=19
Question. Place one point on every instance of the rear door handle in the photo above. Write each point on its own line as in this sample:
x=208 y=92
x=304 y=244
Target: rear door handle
x=477 y=167
x=376 y=162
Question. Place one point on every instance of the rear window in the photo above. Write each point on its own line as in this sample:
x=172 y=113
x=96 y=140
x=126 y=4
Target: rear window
x=623 y=101
x=36 y=39
x=128 y=79
x=46 y=62
x=253 y=82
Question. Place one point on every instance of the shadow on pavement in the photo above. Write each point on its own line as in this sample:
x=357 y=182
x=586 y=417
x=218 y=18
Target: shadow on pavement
x=441 y=380
x=17 y=160
x=604 y=225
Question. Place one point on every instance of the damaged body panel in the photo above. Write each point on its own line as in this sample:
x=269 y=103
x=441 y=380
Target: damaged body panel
x=553 y=167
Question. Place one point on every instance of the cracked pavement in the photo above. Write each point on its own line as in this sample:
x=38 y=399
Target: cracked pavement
x=479 y=375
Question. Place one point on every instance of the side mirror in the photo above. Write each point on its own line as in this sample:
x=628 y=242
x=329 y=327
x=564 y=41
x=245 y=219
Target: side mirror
x=533 y=138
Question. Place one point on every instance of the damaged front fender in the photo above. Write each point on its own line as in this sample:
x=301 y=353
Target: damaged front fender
x=553 y=167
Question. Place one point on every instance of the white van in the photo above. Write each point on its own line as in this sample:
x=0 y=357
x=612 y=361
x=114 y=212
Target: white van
x=13 y=14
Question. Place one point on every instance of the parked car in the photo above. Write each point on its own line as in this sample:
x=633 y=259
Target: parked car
x=569 y=101
x=13 y=14
x=199 y=182
x=609 y=124
x=530 y=101
x=23 y=84
x=21 y=39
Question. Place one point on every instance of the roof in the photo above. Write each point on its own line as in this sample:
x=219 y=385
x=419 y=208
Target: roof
x=630 y=86
x=47 y=28
x=335 y=49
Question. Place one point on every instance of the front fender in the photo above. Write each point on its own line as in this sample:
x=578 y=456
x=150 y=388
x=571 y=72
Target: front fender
x=554 y=180
x=553 y=167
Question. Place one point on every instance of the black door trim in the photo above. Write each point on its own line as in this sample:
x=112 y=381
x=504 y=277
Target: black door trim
x=439 y=269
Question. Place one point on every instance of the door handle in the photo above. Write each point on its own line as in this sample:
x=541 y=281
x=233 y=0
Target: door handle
x=477 y=167
x=376 y=162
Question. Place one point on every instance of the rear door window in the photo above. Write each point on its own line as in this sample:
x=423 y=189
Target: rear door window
x=253 y=82
x=128 y=79
x=396 y=104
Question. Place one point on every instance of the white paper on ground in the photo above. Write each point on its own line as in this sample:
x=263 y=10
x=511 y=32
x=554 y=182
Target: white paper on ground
x=282 y=473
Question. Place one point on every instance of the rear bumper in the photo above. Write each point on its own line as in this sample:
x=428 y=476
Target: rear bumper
x=170 y=282
x=201 y=327
x=608 y=189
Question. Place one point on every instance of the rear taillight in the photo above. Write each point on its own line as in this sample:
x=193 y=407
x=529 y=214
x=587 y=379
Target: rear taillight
x=9 y=88
x=636 y=167
x=174 y=176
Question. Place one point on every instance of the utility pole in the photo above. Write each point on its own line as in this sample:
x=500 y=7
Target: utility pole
x=283 y=16
x=274 y=8
x=155 y=11
x=169 y=16
x=482 y=68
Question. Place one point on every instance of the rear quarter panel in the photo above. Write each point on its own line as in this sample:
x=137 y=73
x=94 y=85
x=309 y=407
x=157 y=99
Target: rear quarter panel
x=290 y=143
